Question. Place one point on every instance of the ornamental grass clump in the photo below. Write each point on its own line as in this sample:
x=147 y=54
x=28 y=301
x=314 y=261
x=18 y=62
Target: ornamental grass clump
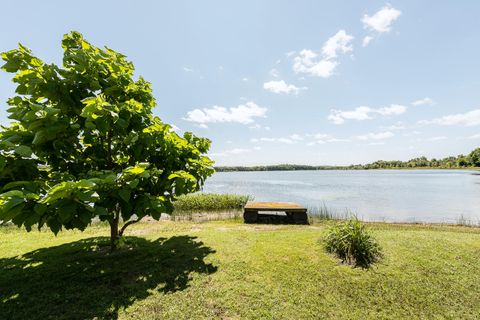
x=351 y=242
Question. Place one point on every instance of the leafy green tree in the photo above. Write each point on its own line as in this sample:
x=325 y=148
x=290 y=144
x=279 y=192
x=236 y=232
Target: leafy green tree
x=84 y=144
x=474 y=158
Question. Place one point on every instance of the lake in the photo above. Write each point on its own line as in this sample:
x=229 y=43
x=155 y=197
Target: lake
x=381 y=195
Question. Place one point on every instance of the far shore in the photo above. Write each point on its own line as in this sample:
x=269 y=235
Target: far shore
x=328 y=168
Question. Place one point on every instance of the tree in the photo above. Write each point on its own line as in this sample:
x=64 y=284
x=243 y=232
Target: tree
x=85 y=145
x=474 y=158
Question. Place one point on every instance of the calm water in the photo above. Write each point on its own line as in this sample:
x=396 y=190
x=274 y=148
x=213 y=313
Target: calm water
x=390 y=195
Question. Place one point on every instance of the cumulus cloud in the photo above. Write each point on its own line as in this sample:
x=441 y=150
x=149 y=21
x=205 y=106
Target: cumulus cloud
x=376 y=136
x=394 y=109
x=382 y=20
x=366 y=41
x=282 y=87
x=425 y=101
x=468 y=119
x=364 y=113
x=324 y=63
x=340 y=42
x=359 y=113
x=244 y=114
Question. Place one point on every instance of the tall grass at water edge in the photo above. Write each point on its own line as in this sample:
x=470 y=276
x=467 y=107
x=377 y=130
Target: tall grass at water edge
x=322 y=212
x=209 y=206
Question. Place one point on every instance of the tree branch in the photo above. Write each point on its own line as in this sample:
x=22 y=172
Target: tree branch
x=127 y=224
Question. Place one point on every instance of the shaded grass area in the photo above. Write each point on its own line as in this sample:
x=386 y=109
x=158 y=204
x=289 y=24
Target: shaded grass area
x=225 y=269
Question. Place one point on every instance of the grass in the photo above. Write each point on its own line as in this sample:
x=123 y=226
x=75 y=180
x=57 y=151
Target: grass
x=464 y=221
x=352 y=242
x=322 y=212
x=209 y=202
x=228 y=270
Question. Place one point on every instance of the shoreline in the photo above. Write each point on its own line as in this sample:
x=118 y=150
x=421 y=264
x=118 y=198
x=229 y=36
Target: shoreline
x=339 y=168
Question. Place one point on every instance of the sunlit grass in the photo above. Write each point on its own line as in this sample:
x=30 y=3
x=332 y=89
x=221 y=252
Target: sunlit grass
x=229 y=270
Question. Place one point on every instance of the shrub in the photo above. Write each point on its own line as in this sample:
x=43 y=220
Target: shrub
x=351 y=242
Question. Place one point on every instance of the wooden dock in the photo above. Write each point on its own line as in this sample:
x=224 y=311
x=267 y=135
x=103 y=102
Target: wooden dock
x=275 y=212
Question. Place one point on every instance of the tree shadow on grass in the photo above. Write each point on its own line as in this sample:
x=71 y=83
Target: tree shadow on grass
x=81 y=280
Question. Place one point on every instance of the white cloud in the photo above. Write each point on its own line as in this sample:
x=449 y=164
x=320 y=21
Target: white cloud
x=394 y=109
x=296 y=137
x=187 y=69
x=232 y=152
x=238 y=151
x=322 y=138
x=282 y=87
x=290 y=53
x=245 y=79
x=425 y=101
x=278 y=140
x=382 y=20
x=468 y=119
x=306 y=62
x=360 y=113
x=274 y=73
x=258 y=127
x=324 y=64
x=309 y=139
x=436 y=138
x=366 y=41
x=397 y=126
x=376 y=136
x=244 y=114
x=412 y=133
x=364 y=113
x=340 y=42
x=174 y=128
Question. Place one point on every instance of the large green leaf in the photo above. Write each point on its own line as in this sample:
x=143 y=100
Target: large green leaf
x=24 y=151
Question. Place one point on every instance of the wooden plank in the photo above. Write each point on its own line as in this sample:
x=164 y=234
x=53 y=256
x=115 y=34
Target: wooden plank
x=274 y=206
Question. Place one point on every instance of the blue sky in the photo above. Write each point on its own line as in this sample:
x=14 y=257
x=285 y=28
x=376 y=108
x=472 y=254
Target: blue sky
x=269 y=82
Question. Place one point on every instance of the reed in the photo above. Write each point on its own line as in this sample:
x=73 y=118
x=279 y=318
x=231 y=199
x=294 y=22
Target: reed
x=209 y=202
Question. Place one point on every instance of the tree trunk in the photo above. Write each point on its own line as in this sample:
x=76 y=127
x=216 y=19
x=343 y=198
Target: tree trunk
x=114 y=232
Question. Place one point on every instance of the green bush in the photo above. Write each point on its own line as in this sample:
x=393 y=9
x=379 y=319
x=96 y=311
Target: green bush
x=351 y=242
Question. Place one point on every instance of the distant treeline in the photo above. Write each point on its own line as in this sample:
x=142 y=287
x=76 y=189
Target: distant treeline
x=472 y=160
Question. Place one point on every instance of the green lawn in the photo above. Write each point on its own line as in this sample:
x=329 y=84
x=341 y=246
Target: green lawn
x=228 y=270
